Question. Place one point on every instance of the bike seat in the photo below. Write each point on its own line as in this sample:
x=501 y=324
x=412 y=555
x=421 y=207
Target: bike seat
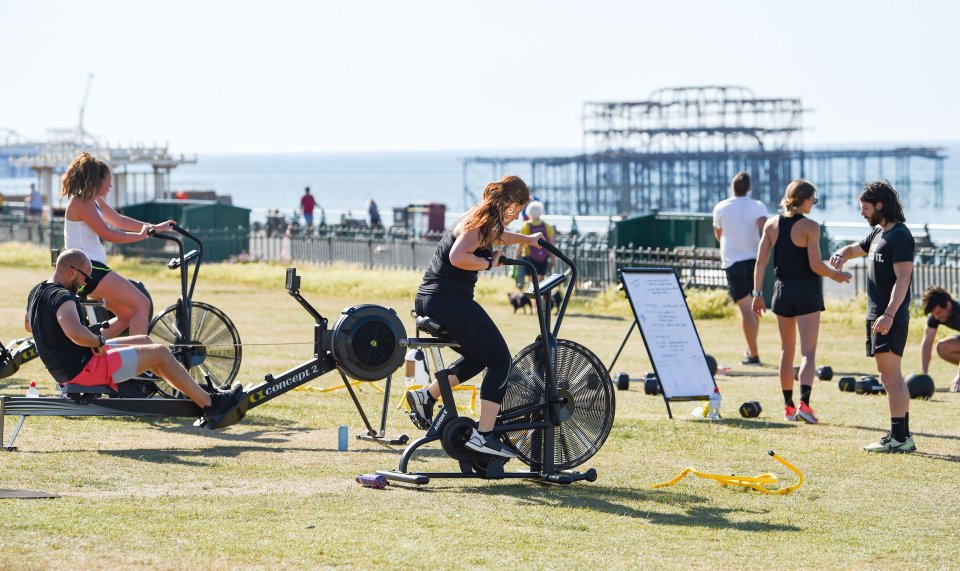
x=432 y=327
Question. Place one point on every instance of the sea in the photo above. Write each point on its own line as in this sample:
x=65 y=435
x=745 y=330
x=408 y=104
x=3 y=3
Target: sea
x=343 y=182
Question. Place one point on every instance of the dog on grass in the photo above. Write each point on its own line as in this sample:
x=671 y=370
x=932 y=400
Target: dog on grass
x=519 y=301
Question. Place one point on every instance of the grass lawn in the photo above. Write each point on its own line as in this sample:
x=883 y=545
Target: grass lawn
x=274 y=491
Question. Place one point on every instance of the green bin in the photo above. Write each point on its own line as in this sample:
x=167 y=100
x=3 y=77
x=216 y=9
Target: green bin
x=224 y=229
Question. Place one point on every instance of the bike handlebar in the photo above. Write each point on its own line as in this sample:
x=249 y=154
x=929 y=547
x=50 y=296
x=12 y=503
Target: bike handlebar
x=544 y=243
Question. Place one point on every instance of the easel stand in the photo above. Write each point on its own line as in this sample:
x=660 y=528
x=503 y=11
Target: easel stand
x=660 y=289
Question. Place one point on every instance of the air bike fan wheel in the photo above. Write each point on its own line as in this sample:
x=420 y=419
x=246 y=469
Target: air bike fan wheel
x=365 y=342
x=587 y=416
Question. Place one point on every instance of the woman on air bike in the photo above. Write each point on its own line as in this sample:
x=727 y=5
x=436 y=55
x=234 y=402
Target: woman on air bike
x=446 y=295
x=87 y=220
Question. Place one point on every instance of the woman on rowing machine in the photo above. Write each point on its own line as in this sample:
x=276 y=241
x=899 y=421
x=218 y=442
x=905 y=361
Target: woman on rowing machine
x=446 y=295
x=87 y=220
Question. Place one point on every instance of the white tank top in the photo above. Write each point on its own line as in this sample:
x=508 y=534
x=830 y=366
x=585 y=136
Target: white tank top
x=76 y=234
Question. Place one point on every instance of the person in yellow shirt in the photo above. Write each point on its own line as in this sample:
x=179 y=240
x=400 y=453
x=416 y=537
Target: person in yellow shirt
x=540 y=257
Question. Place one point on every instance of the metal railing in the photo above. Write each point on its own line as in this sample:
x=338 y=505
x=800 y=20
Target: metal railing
x=596 y=260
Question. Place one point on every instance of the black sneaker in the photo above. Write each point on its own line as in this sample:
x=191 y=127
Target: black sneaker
x=226 y=408
x=748 y=360
x=491 y=445
x=421 y=408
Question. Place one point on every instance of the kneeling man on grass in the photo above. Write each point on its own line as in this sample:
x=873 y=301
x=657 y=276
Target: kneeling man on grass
x=942 y=309
x=76 y=355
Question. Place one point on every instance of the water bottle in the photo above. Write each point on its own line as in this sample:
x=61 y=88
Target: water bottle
x=713 y=408
x=342 y=436
x=32 y=392
x=372 y=481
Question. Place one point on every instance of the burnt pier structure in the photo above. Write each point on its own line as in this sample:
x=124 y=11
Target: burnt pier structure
x=678 y=150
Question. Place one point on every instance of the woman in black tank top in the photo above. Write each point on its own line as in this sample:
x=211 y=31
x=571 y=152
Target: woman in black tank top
x=446 y=295
x=798 y=291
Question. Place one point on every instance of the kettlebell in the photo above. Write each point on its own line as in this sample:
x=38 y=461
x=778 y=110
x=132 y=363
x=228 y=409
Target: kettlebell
x=750 y=409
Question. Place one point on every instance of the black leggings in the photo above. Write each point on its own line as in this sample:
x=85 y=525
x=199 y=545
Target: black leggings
x=481 y=344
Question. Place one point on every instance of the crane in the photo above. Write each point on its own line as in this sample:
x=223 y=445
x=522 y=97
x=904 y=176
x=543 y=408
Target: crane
x=80 y=131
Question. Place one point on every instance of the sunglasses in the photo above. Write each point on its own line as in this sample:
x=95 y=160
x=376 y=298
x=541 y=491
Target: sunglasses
x=86 y=276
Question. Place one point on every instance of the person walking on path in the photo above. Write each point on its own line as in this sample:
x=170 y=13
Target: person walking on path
x=34 y=203
x=307 y=204
x=374 y=214
x=942 y=309
x=798 y=291
x=889 y=249
x=541 y=258
x=737 y=222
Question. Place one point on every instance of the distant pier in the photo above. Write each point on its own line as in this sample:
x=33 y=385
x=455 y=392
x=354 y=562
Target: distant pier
x=678 y=150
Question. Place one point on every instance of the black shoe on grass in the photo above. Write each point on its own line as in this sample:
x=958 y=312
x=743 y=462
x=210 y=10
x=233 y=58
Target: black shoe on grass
x=226 y=408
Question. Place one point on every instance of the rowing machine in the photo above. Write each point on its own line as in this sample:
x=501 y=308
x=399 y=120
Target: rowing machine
x=364 y=343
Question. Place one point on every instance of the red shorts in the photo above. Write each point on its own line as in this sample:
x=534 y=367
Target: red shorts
x=103 y=369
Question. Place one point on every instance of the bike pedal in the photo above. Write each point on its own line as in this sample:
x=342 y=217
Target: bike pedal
x=418 y=422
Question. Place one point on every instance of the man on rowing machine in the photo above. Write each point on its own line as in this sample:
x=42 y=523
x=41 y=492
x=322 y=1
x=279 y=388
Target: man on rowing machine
x=75 y=355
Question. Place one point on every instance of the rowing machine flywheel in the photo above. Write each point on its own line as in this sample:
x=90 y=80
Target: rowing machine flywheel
x=365 y=342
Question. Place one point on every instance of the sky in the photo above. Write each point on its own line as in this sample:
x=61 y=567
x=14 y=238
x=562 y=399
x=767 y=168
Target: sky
x=296 y=76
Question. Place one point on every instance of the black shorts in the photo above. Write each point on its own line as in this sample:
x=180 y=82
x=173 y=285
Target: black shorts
x=740 y=279
x=894 y=341
x=99 y=270
x=797 y=297
x=540 y=265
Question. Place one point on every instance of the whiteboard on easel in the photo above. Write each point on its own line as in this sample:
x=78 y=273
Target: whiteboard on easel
x=669 y=333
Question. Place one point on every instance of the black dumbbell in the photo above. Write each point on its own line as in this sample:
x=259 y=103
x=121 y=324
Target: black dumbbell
x=623 y=381
x=825 y=373
x=869 y=385
x=712 y=365
x=651 y=384
x=750 y=409
x=848 y=384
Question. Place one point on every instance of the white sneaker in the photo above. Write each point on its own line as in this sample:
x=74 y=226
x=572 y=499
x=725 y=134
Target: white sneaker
x=491 y=445
x=421 y=408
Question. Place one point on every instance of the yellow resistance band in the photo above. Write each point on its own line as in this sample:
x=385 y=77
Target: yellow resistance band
x=757 y=483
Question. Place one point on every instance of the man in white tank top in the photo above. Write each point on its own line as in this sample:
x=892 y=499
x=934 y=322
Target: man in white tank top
x=737 y=223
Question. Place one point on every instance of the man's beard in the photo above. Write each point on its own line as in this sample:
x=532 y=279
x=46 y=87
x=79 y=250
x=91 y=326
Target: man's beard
x=875 y=218
x=74 y=287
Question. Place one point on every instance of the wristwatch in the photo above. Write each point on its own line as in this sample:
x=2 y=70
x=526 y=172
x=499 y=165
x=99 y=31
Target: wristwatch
x=102 y=341
x=489 y=262
x=756 y=293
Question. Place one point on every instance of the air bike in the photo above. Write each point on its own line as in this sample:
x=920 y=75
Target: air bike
x=363 y=343
x=557 y=412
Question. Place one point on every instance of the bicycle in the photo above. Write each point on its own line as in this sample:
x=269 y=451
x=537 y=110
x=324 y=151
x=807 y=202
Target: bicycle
x=557 y=413
x=200 y=336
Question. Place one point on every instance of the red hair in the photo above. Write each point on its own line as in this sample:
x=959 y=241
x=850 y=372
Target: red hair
x=487 y=216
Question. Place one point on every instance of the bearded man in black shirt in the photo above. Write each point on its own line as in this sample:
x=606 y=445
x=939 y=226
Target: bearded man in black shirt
x=76 y=355
x=890 y=250
x=942 y=309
